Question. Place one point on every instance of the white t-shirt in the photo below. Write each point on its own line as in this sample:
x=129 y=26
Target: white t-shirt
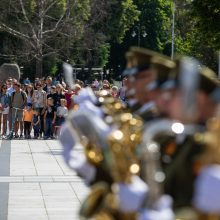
x=62 y=111
x=39 y=97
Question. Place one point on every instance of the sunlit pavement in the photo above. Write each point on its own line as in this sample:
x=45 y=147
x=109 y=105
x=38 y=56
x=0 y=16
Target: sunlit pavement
x=35 y=182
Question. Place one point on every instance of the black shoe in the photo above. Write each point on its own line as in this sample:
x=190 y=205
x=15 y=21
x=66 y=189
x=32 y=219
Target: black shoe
x=10 y=136
x=16 y=136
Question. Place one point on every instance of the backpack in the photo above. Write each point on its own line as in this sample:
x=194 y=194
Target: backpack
x=12 y=97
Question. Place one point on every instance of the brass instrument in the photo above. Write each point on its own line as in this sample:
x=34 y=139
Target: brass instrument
x=114 y=151
x=212 y=139
x=120 y=160
x=151 y=161
x=211 y=155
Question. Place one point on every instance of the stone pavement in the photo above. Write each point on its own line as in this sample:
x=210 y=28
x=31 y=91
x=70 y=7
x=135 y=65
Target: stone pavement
x=36 y=184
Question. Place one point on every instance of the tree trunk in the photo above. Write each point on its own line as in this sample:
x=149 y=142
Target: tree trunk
x=39 y=67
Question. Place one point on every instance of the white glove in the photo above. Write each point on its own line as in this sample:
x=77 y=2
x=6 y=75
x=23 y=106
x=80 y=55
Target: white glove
x=79 y=163
x=89 y=106
x=207 y=190
x=131 y=196
x=74 y=155
x=68 y=138
x=85 y=94
x=162 y=211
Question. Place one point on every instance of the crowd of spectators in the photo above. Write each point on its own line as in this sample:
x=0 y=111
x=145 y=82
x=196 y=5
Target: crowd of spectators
x=38 y=109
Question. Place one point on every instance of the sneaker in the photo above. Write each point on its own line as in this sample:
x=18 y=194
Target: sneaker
x=16 y=136
x=5 y=137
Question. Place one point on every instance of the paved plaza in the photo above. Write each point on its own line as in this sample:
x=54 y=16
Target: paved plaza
x=36 y=184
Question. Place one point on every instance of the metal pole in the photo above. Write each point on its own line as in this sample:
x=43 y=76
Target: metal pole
x=173 y=30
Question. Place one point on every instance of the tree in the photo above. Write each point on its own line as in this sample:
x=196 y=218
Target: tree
x=197 y=32
x=155 y=20
x=44 y=27
x=74 y=30
x=113 y=19
x=207 y=16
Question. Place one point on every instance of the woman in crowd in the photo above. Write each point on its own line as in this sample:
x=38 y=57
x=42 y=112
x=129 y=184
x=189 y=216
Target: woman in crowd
x=4 y=109
x=29 y=91
x=59 y=95
x=68 y=95
x=39 y=102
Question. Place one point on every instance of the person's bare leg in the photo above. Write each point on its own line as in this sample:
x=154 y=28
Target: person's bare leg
x=16 y=128
x=21 y=127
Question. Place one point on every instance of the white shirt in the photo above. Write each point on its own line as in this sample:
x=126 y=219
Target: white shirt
x=10 y=90
x=62 y=111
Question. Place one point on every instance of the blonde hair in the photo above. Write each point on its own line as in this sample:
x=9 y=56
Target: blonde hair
x=63 y=101
x=77 y=86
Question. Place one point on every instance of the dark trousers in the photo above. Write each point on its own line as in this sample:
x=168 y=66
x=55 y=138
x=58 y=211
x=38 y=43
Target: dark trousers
x=36 y=131
x=49 y=127
x=41 y=121
x=27 y=128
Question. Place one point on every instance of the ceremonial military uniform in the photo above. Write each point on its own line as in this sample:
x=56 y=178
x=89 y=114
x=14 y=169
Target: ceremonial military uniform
x=181 y=159
x=181 y=152
x=149 y=68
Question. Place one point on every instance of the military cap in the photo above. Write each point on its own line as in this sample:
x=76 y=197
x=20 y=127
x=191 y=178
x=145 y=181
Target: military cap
x=138 y=59
x=165 y=69
x=209 y=83
x=142 y=56
x=129 y=57
x=178 y=71
x=208 y=80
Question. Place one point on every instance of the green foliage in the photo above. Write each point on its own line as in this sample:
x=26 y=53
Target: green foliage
x=197 y=31
x=128 y=16
x=97 y=33
x=207 y=16
x=123 y=15
x=154 y=20
x=103 y=54
x=45 y=28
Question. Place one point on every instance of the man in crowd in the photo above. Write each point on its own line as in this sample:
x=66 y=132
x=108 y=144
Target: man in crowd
x=18 y=102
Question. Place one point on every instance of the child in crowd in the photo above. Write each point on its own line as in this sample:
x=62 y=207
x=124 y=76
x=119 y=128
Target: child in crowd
x=27 y=118
x=62 y=112
x=49 y=118
x=36 y=123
